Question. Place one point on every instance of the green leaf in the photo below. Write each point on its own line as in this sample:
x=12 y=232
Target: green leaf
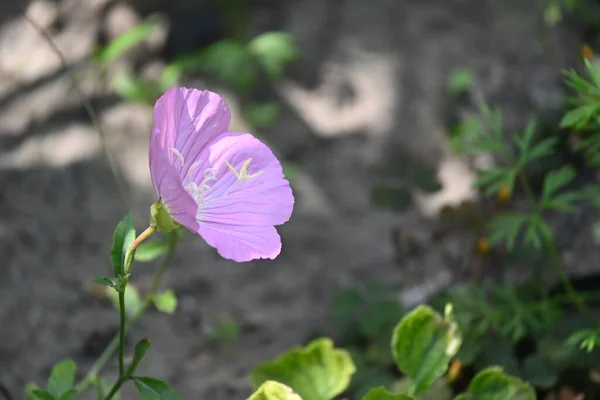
x=461 y=80
x=586 y=339
x=380 y=393
x=229 y=60
x=42 y=395
x=137 y=90
x=151 y=250
x=271 y=390
x=124 y=235
x=506 y=227
x=492 y=179
x=133 y=302
x=541 y=149
x=316 y=372
x=380 y=318
x=68 y=395
x=539 y=372
x=154 y=389
x=30 y=388
x=525 y=140
x=104 y=281
x=165 y=302
x=122 y=43
x=493 y=384
x=138 y=354
x=262 y=115
x=274 y=50
x=556 y=180
x=61 y=378
x=423 y=344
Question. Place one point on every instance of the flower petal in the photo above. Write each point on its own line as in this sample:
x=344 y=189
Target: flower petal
x=249 y=189
x=185 y=121
x=179 y=203
x=242 y=243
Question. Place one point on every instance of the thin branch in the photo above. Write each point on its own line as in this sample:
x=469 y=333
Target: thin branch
x=122 y=185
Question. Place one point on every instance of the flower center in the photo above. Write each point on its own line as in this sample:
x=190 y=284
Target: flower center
x=199 y=191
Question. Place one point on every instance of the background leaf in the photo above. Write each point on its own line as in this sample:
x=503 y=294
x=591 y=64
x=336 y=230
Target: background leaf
x=274 y=50
x=150 y=250
x=61 y=378
x=380 y=393
x=271 y=390
x=166 y=301
x=316 y=372
x=154 y=389
x=493 y=384
x=423 y=344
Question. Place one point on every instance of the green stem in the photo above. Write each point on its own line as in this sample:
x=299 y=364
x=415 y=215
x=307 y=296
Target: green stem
x=92 y=374
x=122 y=323
x=550 y=245
x=116 y=387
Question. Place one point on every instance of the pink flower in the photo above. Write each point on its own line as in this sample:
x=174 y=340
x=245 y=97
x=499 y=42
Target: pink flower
x=227 y=187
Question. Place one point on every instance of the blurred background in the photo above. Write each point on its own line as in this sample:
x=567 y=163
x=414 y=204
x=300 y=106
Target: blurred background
x=359 y=101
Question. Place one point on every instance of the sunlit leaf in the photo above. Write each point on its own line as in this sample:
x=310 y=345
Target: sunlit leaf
x=422 y=345
x=493 y=384
x=123 y=236
x=271 y=390
x=124 y=42
x=61 y=378
x=165 y=301
x=274 y=50
x=316 y=372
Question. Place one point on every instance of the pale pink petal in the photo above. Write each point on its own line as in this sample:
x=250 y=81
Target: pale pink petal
x=185 y=120
x=242 y=243
x=179 y=203
x=263 y=199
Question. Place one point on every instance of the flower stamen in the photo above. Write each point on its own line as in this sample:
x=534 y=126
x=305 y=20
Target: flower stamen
x=178 y=155
x=243 y=174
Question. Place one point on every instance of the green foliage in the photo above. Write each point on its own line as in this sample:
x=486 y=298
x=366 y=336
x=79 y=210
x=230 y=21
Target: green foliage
x=154 y=389
x=555 y=9
x=423 y=344
x=262 y=115
x=150 y=250
x=584 y=113
x=274 y=50
x=60 y=384
x=126 y=41
x=165 y=302
x=141 y=348
x=271 y=390
x=487 y=136
x=316 y=372
x=380 y=393
x=493 y=384
x=123 y=237
x=460 y=80
x=62 y=376
x=586 y=339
